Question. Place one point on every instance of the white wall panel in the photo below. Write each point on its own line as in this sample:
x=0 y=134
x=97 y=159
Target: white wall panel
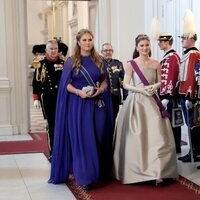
x=3 y=64
x=127 y=21
x=170 y=14
x=36 y=22
x=5 y=106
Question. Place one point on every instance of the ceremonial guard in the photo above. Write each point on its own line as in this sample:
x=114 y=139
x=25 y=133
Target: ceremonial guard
x=197 y=77
x=197 y=104
x=188 y=85
x=116 y=75
x=169 y=79
x=45 y=85
x=38 y=51
x=63 y=49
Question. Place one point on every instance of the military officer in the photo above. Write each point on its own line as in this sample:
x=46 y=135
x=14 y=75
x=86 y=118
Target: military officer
x=116 y=75
x=169 y=78
x=45 y=85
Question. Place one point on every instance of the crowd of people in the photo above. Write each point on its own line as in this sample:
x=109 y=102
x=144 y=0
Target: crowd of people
x=106 y=121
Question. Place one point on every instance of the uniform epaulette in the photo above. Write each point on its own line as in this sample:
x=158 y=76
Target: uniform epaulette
x=171 y=54
x=116 y=60
x=36 y=61
x=62 y=57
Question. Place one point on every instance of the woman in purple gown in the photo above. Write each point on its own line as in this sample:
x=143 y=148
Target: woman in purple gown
x=83 y=130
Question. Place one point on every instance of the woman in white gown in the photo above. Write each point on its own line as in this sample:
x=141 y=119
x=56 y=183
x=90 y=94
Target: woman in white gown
x=144 y=147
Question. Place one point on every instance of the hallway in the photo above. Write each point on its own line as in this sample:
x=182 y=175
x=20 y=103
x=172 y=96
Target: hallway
x=25 y=176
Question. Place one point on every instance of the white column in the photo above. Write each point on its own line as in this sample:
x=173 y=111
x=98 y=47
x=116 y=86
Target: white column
x=127 y=22
x=14 y=99
x=103 y=27
x=5 y=88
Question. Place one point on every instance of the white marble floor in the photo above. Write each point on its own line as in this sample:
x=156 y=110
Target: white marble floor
x=188 y=170
x=15 y=137
x=25 y=176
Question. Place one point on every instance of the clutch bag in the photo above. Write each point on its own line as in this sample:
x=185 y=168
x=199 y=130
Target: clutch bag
x=89 y=89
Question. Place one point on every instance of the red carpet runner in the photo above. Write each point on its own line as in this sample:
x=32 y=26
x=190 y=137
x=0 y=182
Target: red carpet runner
x=144 y=191
x=111 y=190
x=37 y=145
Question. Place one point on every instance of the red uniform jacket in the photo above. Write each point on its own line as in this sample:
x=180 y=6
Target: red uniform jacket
x=169 y=72
x=187 y=76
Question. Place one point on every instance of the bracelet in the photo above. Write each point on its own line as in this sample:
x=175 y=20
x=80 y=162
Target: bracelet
x=77 y=93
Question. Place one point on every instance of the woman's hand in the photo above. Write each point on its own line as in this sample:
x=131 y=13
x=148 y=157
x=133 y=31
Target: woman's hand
x=98 y=92
x=151 y=89
x=82 y=93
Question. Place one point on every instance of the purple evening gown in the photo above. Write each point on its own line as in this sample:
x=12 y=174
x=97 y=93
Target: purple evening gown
x=83 y=131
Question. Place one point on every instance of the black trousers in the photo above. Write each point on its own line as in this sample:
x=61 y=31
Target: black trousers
x=194 y=131
x=176 y=130
x=49 y=106
x=115 y=103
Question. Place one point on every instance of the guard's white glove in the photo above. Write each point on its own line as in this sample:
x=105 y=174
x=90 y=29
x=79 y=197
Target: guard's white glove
x=36 y=104
x=188 y=104
x=164 y=103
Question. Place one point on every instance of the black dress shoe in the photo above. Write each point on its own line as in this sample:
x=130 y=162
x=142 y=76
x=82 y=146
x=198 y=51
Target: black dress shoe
x=188 y=159
x=50 y=158
x=85 y=187
x=198 y=167
x=185 y=157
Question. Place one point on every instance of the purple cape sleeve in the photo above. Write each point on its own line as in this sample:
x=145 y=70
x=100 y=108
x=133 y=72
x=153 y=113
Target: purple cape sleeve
x=61 y=165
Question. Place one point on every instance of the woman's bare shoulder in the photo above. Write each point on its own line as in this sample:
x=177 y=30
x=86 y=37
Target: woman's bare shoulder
x=128 y=68
x=155 y=63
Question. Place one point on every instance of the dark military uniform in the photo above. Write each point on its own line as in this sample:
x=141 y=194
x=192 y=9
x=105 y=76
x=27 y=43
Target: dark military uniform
x=116 y=75
x=45 y=86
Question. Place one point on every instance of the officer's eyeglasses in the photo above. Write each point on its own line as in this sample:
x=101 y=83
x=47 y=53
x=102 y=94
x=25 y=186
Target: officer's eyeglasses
x=184 y=38
x=107 y=50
